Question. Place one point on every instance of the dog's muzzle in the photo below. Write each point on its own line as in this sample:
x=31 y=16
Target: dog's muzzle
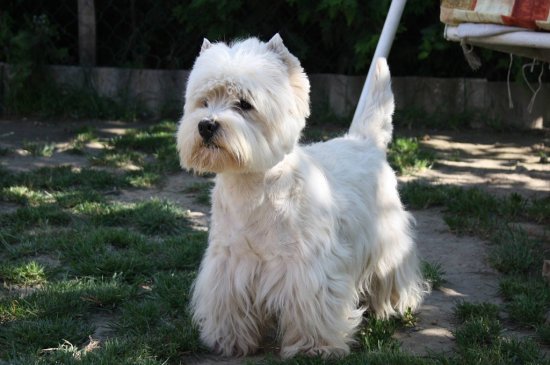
x=207 y=129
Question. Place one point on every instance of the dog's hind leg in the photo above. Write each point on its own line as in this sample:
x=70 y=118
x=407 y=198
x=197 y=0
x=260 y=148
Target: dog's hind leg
x=396 y=284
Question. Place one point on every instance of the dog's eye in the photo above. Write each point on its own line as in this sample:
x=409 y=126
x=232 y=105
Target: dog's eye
x=205 y=103
x=244 y=105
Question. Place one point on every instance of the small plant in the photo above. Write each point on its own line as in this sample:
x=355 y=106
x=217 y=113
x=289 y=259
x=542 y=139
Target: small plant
x=482 y=332
x=433 y=274
x=377 y=334
x=526 y=309
x=408 y=319
x=78 y=143
x=466 y=311
x=25 y=196
x=30 y=273
x=406 y=156
x=114 y=158
x=513 y=251
x=543 y=157
x=539 y=210
x=39 y=149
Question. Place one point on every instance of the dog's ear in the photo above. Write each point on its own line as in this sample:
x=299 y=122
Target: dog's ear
x=276 y=45
x=205 y=45
x=298 y=78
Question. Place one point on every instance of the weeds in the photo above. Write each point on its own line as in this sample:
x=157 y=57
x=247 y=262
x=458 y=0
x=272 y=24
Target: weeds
x=482 y=332
x=39 y=149
x=465 y=311
x=406 y=156
x=30 y=273
x=433 y=274
x=78 y=143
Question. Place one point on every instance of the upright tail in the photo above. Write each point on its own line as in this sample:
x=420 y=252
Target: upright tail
x=375 y=122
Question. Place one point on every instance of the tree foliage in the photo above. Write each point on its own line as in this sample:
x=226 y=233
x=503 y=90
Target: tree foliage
x=329 y=36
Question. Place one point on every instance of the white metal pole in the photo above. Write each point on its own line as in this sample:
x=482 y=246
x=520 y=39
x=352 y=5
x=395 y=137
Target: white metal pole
x=382 y=50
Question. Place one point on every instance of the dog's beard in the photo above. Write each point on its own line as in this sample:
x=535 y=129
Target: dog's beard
x=214 y=156
x=238 y=145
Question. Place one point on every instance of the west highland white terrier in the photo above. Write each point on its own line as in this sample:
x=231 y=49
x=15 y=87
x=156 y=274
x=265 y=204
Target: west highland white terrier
x=303 y=237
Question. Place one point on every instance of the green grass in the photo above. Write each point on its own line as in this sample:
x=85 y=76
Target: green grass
x=407 y=156
x=512 y=252
x=433 y=273
x=201 y=192
x=134 y=262
x=482 y=332
x=465 y=311
x=30 y=273
x=114 y=158
x=84 y=136
x=39 y=149
x=472 y=210
x=479 y=339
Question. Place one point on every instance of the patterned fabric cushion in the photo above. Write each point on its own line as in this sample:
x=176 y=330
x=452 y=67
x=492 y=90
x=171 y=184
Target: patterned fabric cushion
x=531 y=14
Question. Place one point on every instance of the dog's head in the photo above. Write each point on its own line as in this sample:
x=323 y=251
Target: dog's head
x=245 y=106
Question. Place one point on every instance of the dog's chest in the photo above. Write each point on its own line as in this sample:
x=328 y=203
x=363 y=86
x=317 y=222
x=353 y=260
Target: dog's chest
x=263 y=225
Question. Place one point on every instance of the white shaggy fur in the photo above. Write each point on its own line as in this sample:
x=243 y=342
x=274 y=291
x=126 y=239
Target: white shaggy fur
x=301 y=236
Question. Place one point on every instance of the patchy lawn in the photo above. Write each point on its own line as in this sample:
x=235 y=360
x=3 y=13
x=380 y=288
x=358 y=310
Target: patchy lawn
x=101 y=235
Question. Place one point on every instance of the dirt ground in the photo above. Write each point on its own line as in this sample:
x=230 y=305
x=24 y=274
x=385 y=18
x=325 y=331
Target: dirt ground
x=499 y=162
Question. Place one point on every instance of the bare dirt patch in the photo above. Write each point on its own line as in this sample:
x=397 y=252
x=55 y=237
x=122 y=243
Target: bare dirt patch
x=501 y=163
x=468 y=277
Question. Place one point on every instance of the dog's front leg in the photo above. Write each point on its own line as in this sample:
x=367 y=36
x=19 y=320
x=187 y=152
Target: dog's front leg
x=222 y=304
x=319 y=315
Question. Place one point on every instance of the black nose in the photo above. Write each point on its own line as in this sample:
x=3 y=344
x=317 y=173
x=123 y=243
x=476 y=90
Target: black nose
x=207 y=128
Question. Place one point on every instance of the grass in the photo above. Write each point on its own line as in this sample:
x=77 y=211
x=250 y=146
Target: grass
x=479 y=338
x=407 y=156
x=84 y=136
x=512 y=252
x=30 y=273
x=433 y=273
x=133 y=263
x=39 y=149
x=465 y=311
x=201 y=192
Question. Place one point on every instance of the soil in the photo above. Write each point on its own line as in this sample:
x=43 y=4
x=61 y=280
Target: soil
x=498 y=162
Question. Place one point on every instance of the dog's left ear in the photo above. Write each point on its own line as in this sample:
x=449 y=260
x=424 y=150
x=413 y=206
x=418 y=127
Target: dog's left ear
x=298 y=78
x=276 y=45
x=205 y=45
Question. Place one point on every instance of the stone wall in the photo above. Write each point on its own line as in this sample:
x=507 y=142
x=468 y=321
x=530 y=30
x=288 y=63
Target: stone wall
x=162 y=90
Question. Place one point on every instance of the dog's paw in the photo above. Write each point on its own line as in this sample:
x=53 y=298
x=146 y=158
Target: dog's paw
x=326 y=352
x=233 y=349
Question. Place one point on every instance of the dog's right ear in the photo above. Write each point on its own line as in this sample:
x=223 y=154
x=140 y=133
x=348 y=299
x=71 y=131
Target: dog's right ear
x=205 y=45
x=298 y=79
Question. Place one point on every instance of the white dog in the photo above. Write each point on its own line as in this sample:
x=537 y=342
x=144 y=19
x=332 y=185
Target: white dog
x=301 y=236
